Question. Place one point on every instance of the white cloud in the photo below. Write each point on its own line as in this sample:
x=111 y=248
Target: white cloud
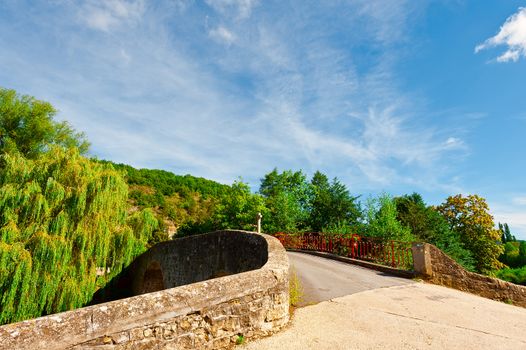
x=454 y=143
x=519 y=200
x=243 y=8
x=126 y=58
x=513 y=35
x=387 y=20
x=105 y=15
x=223 y=35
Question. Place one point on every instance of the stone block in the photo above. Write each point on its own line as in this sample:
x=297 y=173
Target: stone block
x=185 y=341
x=221 y=343
x=279 y=311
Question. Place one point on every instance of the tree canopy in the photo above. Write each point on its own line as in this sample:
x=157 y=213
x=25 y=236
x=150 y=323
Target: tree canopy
x=286 y=197
x=27 y=126
x=331 y=205
x=62 y=219
x=430 y=226
x=295 y=204
x=381 y=220
x=505 y=232
x=470 y=217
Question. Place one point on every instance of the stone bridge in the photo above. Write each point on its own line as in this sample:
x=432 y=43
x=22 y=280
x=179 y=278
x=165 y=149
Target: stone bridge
x=210 y=291
x=199 y=292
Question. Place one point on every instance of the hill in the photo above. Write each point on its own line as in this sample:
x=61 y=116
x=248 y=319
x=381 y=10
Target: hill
x=179 y=201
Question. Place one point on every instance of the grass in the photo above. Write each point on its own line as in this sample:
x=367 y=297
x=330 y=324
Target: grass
x=295 y=289
x=240 y=339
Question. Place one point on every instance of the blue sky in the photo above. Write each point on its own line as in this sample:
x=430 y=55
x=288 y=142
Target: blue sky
x=395 y=96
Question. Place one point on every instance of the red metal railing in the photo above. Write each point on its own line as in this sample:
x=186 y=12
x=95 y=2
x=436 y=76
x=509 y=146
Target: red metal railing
x=396 y=254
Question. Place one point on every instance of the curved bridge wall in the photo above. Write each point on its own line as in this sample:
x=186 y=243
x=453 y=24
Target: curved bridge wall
x=219 y=286
x=436 y=267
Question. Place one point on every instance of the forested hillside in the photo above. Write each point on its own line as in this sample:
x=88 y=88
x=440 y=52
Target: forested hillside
x=180 y=202
x=69 y=223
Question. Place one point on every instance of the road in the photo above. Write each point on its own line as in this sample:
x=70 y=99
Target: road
x=384 y=312
x=323 y=279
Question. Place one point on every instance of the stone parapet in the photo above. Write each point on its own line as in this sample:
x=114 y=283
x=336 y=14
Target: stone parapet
x=436 y=267
x=209 y=314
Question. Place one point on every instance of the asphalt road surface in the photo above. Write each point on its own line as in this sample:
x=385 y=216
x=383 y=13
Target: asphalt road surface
x=385 y=312
x=413 y=316
x=323 y=279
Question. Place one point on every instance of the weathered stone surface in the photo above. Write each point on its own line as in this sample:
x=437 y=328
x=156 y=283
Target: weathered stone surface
x=438 y=268
x=205 y=315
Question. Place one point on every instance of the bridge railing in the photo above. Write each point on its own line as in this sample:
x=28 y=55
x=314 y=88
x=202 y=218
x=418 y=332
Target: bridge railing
x=392 y=253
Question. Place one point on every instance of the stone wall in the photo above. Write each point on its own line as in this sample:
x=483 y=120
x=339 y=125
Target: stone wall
x=436 y=267
x=209 y=314
x=188 y=260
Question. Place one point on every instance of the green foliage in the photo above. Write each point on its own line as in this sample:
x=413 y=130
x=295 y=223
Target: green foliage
x=517 y=275
x=428 y=225
x=449 y=241
x=27 y=126
x=240 y=339
x=522 y=249
x=469 y=216
x=296 y=205
x=295 y=289
x=184 y=204
x=412 y=212
x=514 y=254
x=143 y=224
x=381 y=220
x=62 y=218
x=287 y=198
x=239 y=208
x=339 y=228
x=506 y=235
x=166 y=183
x=331 y=206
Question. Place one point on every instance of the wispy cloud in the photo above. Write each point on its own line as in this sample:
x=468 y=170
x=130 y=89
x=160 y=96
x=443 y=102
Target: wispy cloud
x=454 y=143
x=108 y=14
x=513 y=35
x=519 y=200
x=203 y=90
x=222 y=34
x=242 y=9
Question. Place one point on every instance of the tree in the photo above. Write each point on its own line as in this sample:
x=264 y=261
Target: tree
x=506 y=235
x=411 y=212
x=27 y=126
x=331 y=205
x=522 y=249
x=470 y=217
x=381 y=220
x=62 y=219
x=239 y=209
x=441 y=235
x=286 y=196
x=427 y=225
x=511 y=256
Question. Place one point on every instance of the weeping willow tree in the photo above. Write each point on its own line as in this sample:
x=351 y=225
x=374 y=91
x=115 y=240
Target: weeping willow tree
x=63 y=219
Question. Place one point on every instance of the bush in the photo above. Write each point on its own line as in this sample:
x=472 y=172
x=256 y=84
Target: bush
x=517 y=276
